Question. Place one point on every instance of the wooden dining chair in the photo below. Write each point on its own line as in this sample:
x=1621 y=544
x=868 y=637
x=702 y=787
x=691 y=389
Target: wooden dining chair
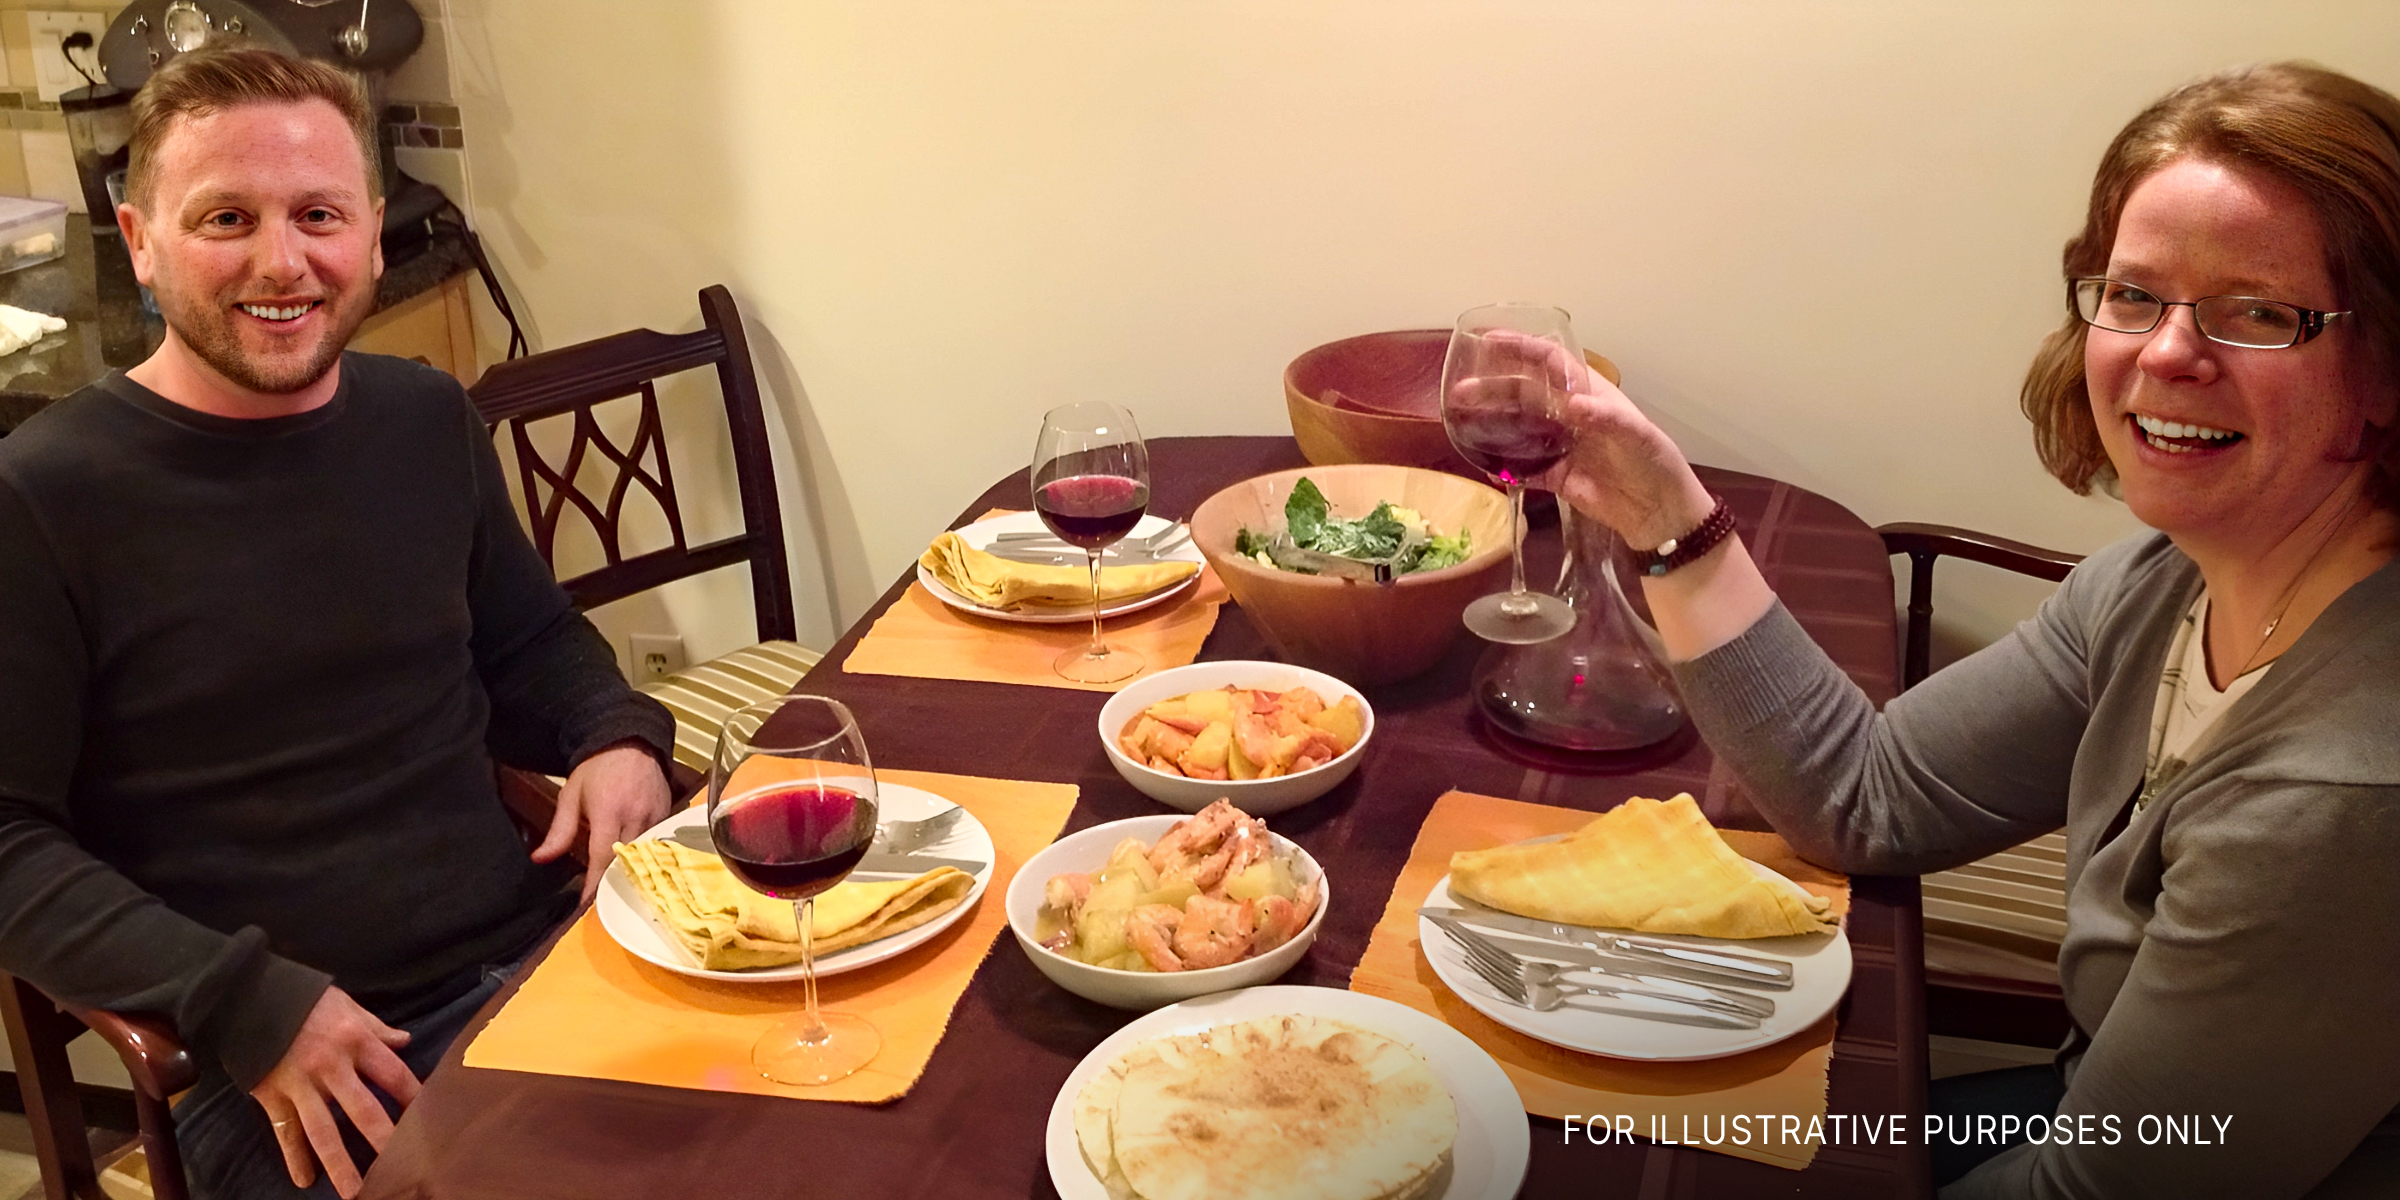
x=1992 y=926
x=569 y=384
x=61 y=1114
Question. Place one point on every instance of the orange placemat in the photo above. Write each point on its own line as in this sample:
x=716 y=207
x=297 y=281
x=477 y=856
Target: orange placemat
x=593 y=1010
x=1785 y=1078
x=921 y=637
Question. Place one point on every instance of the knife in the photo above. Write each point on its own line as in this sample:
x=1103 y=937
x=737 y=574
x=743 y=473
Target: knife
x=1752 y=1009
x=1070 y=558
x=1653 y=973
x=696 y=837
x=1721 y=965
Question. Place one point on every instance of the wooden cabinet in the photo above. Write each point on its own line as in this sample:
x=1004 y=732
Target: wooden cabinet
x=434 y=327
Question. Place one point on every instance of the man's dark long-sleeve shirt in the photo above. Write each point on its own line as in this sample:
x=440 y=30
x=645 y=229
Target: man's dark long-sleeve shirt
x=248 y=670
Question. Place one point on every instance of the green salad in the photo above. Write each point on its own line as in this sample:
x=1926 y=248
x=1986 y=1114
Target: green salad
x=1389 y=535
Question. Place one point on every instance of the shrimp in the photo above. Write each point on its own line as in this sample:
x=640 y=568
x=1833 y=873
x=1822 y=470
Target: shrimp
x=1214 y=932
x=1280 y=919
x=1152 y=929
x=1194 y=838
x=1170 y=743
x=1255 y=734
x=1245 y=845
x=1066 y=893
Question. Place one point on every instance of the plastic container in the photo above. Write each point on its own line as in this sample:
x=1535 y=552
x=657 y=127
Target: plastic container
x=31 y=231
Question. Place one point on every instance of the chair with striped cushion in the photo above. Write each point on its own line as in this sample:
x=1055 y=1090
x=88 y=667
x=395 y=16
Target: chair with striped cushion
x=702 y=697
x=567 y=384
x=1992 y=927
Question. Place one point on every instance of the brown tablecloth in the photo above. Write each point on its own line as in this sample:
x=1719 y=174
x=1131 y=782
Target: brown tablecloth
x=973 y=1125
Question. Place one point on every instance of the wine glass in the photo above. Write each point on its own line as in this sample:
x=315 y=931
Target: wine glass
x=1091 y=482
x=791 y=807
x=1505 y=384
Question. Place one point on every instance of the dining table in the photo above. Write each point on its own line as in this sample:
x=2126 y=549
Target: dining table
x=973 y=1125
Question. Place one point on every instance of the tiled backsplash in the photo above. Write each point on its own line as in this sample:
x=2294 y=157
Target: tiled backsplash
x=428 y=126
x=24 y=108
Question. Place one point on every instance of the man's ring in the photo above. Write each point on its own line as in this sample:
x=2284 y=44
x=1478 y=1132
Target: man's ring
x=281 y=1124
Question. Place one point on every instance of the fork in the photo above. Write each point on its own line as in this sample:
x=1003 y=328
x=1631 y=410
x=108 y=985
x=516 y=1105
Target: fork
x=908 y=837
x=1537 y=971
x=1492 y=966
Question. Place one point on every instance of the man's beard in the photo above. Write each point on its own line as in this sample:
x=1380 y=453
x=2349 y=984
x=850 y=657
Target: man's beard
x=211 y=335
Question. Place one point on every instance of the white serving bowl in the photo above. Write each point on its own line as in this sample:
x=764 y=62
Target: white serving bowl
x=1258 y=797
x=1088 y=851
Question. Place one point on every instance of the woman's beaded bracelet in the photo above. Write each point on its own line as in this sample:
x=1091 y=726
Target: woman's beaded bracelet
x=1676 y=551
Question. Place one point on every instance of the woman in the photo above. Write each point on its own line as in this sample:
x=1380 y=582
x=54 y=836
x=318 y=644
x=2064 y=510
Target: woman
x=2208 y=710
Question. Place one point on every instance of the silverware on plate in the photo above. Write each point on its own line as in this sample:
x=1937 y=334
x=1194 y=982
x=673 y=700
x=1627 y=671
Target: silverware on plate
x=875 y=863
x=1585 y=958
x=1535 y=971
x=1152 y=544
x=1044 y=556
x=1764 y=973
x=1515 y=986
x=902 y=837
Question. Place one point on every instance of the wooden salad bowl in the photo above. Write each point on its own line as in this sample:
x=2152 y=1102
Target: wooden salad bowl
x=1362 y=633
x=1376 y=398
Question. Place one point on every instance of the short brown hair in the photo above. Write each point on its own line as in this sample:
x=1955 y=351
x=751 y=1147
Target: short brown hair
x=2333 y=138
x=200 y=82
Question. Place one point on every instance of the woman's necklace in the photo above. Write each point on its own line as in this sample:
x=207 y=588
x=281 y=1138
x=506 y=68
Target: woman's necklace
x=2291 y=591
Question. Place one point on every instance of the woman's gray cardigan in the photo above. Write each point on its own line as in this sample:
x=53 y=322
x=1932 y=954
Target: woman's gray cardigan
x=2233 y=953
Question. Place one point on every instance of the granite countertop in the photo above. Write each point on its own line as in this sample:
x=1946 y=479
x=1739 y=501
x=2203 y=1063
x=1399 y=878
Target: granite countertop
x=93 y=287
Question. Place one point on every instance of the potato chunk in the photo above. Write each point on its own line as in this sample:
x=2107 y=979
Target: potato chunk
x=1211 y=706
x=1347 y=722
x=1209 y=751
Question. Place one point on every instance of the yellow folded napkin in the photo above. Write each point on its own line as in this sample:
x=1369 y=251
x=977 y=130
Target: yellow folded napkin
x=996 y=582
x=728 y=927
x=1646 y=865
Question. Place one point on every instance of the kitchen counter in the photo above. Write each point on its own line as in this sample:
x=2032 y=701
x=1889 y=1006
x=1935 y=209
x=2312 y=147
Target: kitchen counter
x=93 y=288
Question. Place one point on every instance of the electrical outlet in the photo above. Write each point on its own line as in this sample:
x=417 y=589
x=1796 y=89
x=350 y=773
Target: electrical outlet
x=53 y=74
x=654 y=656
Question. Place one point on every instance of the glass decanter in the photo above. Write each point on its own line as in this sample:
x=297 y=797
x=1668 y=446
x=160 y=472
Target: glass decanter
x=1601 y=686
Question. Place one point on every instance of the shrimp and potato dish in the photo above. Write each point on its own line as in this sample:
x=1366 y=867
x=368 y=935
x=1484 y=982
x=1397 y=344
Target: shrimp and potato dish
x=1213 y=890
x=1243 y=733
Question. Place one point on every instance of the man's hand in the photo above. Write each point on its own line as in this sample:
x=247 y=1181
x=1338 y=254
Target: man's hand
x=340 y=1049
x=616 y=794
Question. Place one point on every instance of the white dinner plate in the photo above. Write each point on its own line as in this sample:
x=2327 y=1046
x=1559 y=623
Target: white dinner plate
x=1487 y=1162
x=1820 y=974
x=636 y=926
x=980 y=534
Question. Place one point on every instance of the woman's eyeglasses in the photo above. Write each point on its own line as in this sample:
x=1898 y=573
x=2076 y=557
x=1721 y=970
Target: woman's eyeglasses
x=2245 y=321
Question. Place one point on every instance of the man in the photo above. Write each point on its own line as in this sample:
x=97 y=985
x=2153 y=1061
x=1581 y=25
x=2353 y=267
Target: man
x=263 y=606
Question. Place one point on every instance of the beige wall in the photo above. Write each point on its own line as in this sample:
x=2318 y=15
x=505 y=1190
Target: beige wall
x=1820 y=238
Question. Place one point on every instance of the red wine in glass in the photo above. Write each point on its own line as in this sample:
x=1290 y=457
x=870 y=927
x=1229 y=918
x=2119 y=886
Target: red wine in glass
x=1091 y=511
x=794 y=841
x=791 y=808
x=1091 y=481
x=1508 y=444
x=1505 y=383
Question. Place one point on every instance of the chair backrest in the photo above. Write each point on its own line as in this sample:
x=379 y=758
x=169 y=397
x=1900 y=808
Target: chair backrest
x=1991 y=927
x=1924 y=543
x=573 y=379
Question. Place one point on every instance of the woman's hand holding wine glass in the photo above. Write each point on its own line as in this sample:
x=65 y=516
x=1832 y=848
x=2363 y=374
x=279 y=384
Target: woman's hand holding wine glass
x=1624 y=471
x=1627 y=473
